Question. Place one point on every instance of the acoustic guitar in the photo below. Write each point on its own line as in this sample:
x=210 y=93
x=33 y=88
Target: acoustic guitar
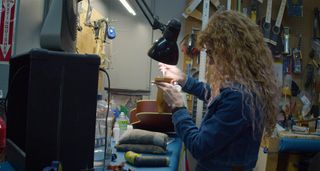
x=153 y=115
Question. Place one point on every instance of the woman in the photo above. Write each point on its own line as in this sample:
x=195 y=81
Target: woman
x=241 y=93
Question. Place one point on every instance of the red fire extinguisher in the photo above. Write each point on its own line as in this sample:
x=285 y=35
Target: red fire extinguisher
x=3 y=130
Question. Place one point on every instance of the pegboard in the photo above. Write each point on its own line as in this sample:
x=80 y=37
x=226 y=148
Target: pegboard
x=297 y=25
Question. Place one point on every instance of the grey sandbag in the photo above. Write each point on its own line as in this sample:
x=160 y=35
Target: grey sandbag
x=138 y=136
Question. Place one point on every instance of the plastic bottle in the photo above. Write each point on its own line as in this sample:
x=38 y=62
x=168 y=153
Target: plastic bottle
x=108 y=156
x=116 y=132
x=101 y=113
x=123 y=122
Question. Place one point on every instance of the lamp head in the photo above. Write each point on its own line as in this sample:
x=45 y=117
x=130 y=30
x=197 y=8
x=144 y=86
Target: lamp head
x=165 y=50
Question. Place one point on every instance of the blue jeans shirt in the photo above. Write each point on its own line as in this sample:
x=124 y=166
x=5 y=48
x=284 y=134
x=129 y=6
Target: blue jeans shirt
x=225 y=137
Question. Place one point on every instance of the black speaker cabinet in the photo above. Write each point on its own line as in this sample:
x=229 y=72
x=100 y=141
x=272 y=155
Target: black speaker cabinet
x=51 y=110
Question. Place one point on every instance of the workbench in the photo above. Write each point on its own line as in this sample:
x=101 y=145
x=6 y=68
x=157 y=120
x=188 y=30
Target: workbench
x=286 y=142
x=173 y=152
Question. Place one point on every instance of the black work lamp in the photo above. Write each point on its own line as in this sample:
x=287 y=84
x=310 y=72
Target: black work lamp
x=165 y=49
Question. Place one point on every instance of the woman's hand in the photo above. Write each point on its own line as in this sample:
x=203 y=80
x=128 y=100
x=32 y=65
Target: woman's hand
x=173 y=72
x=171 y=95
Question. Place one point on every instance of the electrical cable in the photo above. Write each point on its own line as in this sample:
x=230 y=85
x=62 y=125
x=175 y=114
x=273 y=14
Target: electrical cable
x=106 y=121
x=8 y=92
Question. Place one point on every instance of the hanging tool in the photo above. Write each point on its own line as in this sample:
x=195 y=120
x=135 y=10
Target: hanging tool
x=88 y=15
x=193 y=12
x=96 y=29
x=309 y=75
x=110 y=31
x=276 y=28
x=228 y=4
x=192 y=50
x=276 y=31
x=239 y=5
x=254 y=12
x=266 y=22
x=286 y=49
x=316 y=37
x=297 y=57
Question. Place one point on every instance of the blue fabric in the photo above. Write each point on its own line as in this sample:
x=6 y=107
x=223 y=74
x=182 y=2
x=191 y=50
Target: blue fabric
x=299 y=145
x=5 y=166
x=173 y=152
x=225 y=137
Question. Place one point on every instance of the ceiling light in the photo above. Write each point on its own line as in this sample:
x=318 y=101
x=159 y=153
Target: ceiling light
x=128 y=7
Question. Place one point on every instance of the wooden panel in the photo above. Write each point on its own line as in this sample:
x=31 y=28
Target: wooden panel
x=86 y=42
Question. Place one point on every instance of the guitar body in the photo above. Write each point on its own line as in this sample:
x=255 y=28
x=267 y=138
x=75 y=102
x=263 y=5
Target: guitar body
x=146 y=116
x=153 y=115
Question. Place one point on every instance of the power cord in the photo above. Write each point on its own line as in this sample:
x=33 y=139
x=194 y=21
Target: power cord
x=9 y=90
x=106 y=121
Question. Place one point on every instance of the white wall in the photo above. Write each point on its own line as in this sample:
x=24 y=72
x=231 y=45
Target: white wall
x=130 y=65
x=131 y=68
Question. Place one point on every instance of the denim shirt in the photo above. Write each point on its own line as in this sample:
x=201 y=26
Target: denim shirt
x=225 y=138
